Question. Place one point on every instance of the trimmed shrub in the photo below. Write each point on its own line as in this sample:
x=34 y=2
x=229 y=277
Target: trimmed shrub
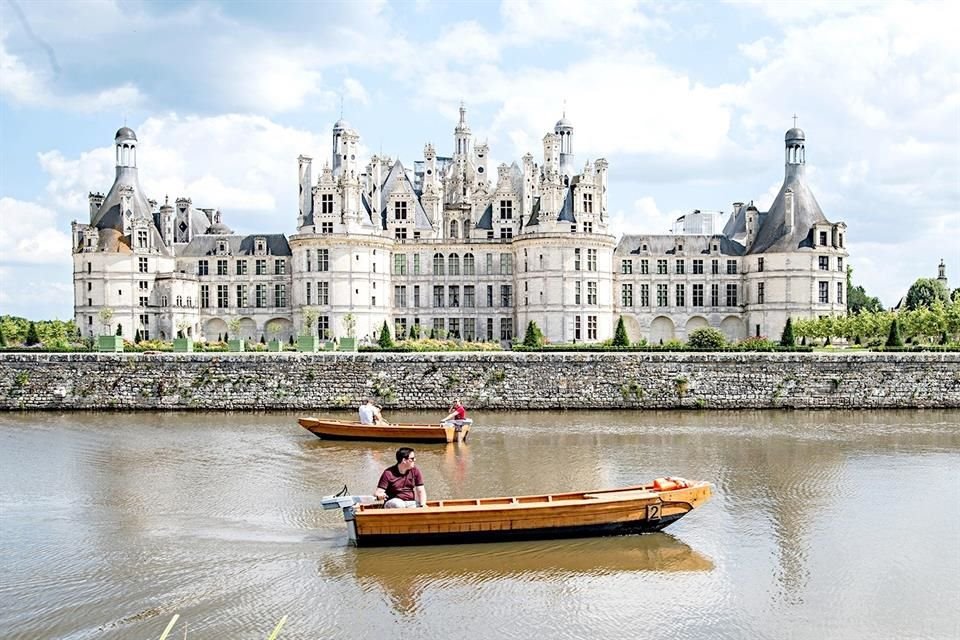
x=707 y=338
x=787 y=339
x=533 y=337
x=620 y=338
x=32 y=337
x=893 y=338
x=385 y=340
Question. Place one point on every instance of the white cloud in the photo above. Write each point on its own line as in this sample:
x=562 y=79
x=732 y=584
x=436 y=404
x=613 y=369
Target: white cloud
x=353 y=90
x=465 y=42
x=533 y=21
x=757 y=50
x=644 y=218
x=30 y=234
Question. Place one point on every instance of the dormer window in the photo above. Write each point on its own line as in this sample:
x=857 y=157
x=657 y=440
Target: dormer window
x=823 y=238
x=261 y=246
x=142 y=239
x=400 y=210
x=222 y=247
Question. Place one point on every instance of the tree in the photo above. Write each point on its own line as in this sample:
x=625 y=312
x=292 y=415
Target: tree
x=533 y=337
x=3 y=339
x=924 y=291
x=32 y=337
x=138 y=337
x=106 y=316
x=857 y=298
x=234 y=326
x=620 y=338
x=433 y=333
x=787 y=339
x=707 y=338
x=119 y=329
x=385 y=341
x=894 y=339
x=415 y=332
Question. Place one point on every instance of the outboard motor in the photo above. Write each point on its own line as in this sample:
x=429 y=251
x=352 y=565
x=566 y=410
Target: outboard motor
x=347 y=502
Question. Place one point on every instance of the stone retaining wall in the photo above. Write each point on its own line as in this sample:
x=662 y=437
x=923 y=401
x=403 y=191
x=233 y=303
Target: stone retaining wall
x=498 y=380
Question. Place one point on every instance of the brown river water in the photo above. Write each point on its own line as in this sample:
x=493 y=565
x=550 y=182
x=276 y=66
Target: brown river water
x=823 y=525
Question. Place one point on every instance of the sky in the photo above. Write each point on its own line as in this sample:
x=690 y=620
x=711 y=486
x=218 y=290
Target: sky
x=688 y=101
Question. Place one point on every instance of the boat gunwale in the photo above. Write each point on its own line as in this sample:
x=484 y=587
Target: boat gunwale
x=375 y=427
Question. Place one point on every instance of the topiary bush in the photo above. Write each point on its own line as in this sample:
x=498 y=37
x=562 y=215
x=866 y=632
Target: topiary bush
x=787 y=339
x=706 y=338
x=534 y=337
x=620 y=338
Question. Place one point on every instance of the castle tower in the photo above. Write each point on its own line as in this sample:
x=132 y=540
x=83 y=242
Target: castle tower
x=461 y=134
x=795 y=157
x=306 y=192
x=564 y=129
x=125 y=147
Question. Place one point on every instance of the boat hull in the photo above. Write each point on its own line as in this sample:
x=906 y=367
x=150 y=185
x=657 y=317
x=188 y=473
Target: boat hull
x=630 y=510
x=419 y=433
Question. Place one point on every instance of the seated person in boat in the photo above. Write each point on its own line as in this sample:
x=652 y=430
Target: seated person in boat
x=402 y=484
x=370 y=413
x=457 y=412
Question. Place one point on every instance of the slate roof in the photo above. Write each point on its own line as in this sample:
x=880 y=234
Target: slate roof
x=206 y=245
x=773 y=236
x=662 y=245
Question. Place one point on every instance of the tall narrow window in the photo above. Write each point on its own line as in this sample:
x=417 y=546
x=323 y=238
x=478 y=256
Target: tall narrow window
x=400 y=210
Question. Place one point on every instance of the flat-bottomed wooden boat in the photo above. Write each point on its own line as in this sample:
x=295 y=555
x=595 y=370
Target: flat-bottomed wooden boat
x=628 y=510
x=344 y=430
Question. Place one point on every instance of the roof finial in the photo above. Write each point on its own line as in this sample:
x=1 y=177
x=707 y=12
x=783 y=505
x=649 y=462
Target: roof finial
x=564 y=107
x=463 y=112
x=794 y=121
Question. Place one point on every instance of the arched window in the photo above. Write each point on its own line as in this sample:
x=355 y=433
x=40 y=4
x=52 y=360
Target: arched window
x=468 y=265
x=438 y=264
x=466 y=228
x=453 y=264
x=453 y=228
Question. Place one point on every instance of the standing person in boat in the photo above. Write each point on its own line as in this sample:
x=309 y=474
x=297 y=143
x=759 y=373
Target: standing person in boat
x=457 y=412
x=370 y=413
x=401 y=485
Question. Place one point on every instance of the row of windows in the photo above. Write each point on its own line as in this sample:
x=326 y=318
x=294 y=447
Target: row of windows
x=260 y=266
x=451 y=264
x=680 y=266
x=241 y=298
x=578 y=328
x=697 y=298
x=468 y=329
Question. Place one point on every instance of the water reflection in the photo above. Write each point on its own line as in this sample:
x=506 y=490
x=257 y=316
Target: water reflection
x=402 y=575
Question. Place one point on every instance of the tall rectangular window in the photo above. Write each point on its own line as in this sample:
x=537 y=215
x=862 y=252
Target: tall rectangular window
x=222 y=296
x=323 y=293
x=626 y=266
x=204 y=296
x=323 y=259
x=469 y=297
x=416 y=295
x=323 y=327
x=577 y=329
x=698 y=267
x=326 y=203
x=506 y=209
x=824 y=263
x=400 y=210
x=576 y=259
x=506 y=233
x=400 y=233
x=242 y=295
x=141 y=239
x=280 y=266
x=143 y=265
x=261 y=266
x=326 y=227
x=661 y=267
x=839 y=293
x=760 y=293
x=221 y=267
x=506 y=295
x=714 y=295
x=489 y=261
x=576 y=292
x=731 y=266
x=698 y=295
x=400 y=264
x=399 y=296
x=416 y=264
x=469 y=329
x=644 y=295
x=591 y=293
x=626 y=295
x=453 y=295
x=645 y=266
x=759 y=264
x=591 y=327
x=823 y=238
x=203 y=268
x=715 y=267
x=839 y=264
x=260 y=296
x=489 y=328
x=309 y=290
x=681 y=266
x=506 y=264
x=242 y=265
x=681 y=296
x=454 y=331
x=731 y=295
x=824 y=292
x=662 y=295
x=489 y=295
x=280 y=295
x=591 y=259
x=469 y=266
x=588 y=203
x=438 y=295
x=506 y=328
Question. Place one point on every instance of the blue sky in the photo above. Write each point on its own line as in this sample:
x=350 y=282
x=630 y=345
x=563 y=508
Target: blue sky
x=688 y=101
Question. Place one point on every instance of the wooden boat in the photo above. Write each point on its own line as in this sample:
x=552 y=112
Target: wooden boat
x=637 y=509
x=343 y=430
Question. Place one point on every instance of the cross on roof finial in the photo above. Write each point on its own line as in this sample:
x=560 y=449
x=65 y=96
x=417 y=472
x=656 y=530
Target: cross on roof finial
x=794 y=121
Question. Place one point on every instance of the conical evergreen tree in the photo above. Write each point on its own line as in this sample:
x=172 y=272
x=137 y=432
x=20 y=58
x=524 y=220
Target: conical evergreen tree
x=787 y=339
x=893 y=338
x=620 y=338
x=138 y=337
x=534 y=337
x=32 y=337
x=385 y=341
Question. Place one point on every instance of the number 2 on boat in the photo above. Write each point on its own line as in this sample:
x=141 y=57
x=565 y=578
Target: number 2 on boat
x=653 y=512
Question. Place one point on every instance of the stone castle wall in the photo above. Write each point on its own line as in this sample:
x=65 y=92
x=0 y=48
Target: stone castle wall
x=500 y=380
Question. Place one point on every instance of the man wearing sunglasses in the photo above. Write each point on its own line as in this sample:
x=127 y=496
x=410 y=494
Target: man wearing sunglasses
x=401 y=485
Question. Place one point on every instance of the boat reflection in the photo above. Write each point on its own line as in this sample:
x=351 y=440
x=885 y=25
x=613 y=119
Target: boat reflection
x=402 y=574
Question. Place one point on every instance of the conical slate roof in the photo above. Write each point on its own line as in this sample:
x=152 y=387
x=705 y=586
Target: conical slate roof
x=773 y=236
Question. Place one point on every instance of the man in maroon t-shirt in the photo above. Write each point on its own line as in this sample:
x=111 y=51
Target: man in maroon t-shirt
x=402 y=484
x=457 y=412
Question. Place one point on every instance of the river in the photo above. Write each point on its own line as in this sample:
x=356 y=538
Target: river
x=822 y=525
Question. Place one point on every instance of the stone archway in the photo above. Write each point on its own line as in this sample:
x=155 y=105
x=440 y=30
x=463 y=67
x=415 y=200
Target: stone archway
x=632 y=325
x=694 y=323
x=248 y=330
x=733 y=328
x=279 y=329
x=661 y=330
x=215 y=329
